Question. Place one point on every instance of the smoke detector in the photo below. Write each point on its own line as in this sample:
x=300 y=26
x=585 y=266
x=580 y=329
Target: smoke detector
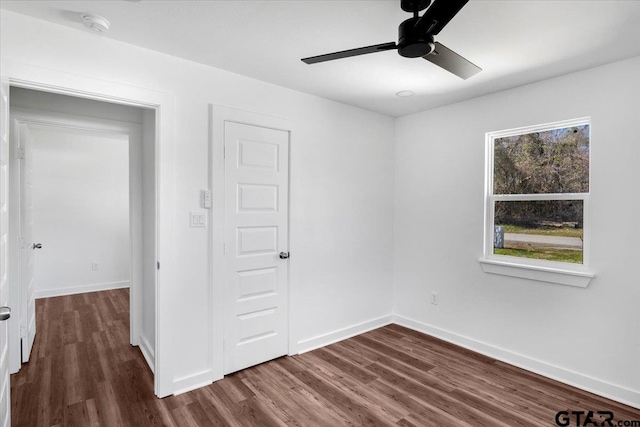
x=95 y=22
x=405 y=93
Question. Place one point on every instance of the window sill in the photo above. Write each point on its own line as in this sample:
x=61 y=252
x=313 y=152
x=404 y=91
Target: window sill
x=559 y=276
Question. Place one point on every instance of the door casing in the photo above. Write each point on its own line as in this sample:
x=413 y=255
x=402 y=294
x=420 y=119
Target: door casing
x=5 y=392
x=55 y=81
x=218 y=115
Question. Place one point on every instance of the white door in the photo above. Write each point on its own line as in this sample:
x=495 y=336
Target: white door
x=256 y=245
x=5 y=419
x=27 y=258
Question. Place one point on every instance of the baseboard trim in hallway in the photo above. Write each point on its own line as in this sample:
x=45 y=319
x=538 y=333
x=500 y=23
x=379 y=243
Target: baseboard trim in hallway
x=148 y=352
x=73 y=290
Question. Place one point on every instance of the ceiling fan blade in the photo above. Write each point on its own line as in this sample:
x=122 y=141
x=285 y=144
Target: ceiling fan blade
x=438 y=15
x=350 y=52
x=445 y=58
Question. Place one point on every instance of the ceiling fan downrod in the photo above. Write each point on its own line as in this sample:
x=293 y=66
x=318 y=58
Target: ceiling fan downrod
x=414 y=6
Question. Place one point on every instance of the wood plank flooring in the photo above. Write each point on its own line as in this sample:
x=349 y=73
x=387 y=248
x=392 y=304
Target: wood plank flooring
x=83 y=372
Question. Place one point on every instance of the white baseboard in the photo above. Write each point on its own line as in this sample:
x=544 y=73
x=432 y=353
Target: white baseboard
x=343 y=334
x=192 y=382
x=47 y=293
x=148 y=352
x=575 y=379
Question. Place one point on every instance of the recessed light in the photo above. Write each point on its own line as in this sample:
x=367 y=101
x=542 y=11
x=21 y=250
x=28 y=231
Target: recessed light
x=95 y=23
x=405 y=93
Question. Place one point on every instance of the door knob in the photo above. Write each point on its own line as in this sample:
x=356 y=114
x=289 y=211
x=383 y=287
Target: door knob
x=5 y=313
x=284 y=255
x=37 y=246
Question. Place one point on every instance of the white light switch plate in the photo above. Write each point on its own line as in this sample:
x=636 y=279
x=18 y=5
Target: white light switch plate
x=198 y=219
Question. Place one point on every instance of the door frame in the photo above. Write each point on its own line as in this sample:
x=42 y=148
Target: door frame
x=218 y=115
x=50 y=120
x=5 y=386
x=55 y=81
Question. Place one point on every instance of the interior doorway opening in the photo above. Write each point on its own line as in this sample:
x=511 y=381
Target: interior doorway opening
x=97 y=161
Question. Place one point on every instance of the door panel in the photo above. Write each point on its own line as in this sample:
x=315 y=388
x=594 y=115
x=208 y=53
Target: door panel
x=5 y=406
x=257 y=198
x=27 y=258
x=256 y=231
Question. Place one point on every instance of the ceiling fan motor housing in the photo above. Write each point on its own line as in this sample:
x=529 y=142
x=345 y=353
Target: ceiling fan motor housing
x=412 y=45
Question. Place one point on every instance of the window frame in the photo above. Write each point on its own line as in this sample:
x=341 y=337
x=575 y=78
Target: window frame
x=531 y=268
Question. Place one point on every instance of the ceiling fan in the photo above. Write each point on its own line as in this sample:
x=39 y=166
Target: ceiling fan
x=415 y=38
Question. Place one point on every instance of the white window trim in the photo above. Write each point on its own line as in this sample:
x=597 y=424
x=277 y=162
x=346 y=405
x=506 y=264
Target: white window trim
x=562 y=273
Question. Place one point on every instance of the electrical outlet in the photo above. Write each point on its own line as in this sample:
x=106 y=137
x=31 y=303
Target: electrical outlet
x=434 y=298
x=94 y=266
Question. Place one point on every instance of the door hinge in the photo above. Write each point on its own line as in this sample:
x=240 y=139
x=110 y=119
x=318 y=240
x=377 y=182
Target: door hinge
x=20 y=153
x=158 y=265
x=224 y=249
x=23 y=243
x=224 y=153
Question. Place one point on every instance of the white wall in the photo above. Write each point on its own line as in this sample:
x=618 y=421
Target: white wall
x=438 y=233
x=342 y=193
x=81 y=210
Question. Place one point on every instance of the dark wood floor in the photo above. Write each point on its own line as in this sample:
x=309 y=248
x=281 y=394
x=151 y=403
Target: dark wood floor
x=83 y=372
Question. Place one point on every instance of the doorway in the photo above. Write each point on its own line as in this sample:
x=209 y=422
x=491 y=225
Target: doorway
x=110 y=219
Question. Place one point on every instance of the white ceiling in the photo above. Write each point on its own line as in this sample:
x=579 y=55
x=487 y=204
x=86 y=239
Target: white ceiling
x=515 y=42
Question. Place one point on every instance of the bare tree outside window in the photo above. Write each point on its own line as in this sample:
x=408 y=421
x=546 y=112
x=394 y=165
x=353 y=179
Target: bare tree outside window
x=540 y=184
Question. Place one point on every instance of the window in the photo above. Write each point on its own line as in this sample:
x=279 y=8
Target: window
x=537 y=199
